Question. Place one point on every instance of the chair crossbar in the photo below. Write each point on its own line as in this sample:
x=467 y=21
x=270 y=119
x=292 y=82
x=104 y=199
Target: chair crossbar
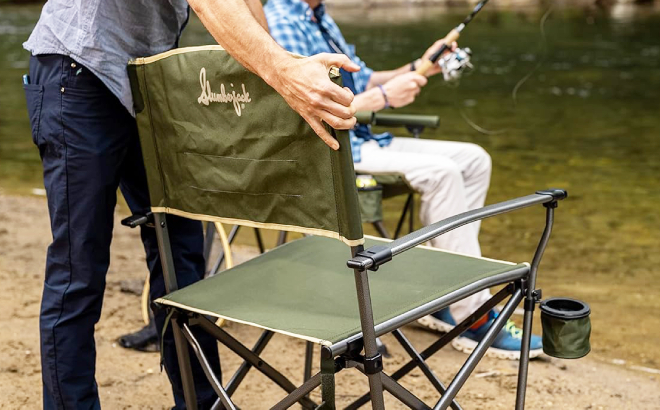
x=402 y=394
x=399 y=392
x=252 y=358
x=478 y=353
x=442 y=342
x=407 y=346
x=312 y=383
x=210 y=375
x=245 y=366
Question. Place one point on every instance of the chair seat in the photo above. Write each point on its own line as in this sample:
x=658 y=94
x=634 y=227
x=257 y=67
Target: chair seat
x=304 y=289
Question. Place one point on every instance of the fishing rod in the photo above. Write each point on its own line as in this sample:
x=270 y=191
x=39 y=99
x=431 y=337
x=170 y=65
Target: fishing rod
x=453 y=35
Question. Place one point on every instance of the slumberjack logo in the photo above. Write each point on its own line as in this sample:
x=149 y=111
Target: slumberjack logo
x=208 y=96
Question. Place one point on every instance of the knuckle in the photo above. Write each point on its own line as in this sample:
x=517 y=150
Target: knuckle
x=315 y=100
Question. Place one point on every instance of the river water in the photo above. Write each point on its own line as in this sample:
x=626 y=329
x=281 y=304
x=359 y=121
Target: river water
x=586 y=119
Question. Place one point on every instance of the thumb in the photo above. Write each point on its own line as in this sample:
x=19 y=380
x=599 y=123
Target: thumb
x=340 y=61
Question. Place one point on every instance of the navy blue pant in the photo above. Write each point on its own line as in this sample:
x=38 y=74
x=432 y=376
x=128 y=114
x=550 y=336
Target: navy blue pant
x=89 y=147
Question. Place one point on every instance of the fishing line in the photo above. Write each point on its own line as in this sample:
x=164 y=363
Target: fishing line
x=514 y=93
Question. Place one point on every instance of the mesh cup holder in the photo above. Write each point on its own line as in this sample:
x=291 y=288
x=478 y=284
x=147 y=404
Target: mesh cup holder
x=566 y=328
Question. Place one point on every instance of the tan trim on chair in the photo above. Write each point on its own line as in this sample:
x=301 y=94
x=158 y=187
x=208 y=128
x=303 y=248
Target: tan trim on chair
x=174 y=51
x=208 y=313
x=253 y=224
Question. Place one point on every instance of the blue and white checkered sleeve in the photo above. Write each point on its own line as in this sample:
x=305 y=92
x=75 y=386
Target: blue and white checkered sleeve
x=288 y=36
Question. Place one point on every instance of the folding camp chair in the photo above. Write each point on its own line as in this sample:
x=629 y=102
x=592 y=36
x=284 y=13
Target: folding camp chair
x=220 y=145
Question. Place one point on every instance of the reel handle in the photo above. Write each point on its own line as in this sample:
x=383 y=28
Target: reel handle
x=453 y=35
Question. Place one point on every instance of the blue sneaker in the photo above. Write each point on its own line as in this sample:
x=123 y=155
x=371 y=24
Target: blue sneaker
x=440 y=321
x=506 y=345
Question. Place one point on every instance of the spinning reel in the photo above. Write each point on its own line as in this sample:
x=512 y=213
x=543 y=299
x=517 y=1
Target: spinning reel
x=454 y=64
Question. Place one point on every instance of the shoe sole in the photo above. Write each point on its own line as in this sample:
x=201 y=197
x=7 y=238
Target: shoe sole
x=465 y=345
x=434 y=324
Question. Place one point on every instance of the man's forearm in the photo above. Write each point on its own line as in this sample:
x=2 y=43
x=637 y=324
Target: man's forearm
x=233 y=25
x=370 y=100
x=381 y=77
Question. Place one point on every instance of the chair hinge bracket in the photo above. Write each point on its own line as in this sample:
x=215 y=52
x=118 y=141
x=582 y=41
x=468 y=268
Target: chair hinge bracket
x=371 y=258
x=373 y=365
x=530 y=303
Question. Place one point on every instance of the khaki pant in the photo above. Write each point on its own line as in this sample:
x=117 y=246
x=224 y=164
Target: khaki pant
x=451 y=177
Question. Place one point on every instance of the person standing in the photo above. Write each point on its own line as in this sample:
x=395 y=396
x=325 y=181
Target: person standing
x=82 y=118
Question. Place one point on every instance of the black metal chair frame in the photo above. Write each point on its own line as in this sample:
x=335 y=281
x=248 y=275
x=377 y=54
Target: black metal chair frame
x=347 y=353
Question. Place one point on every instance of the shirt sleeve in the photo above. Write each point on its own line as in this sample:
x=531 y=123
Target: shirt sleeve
x=290 y=37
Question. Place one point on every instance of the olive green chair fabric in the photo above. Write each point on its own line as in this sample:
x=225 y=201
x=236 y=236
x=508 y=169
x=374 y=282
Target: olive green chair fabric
x=286 y=290
x=566 y=339
x=371 y=204
x=219 y=144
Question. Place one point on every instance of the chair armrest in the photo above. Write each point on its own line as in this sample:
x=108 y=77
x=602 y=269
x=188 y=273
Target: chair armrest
x=375 y=256
x=397 y=120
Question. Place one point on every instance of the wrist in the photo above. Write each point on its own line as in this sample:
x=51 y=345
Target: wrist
x=273 y=73
x=386 y=101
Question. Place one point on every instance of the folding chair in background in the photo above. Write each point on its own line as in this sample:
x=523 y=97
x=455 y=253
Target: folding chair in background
x=389 y=185
x=220 y=145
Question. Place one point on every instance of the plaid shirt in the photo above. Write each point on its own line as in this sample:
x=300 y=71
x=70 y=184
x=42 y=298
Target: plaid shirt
x=291 y=25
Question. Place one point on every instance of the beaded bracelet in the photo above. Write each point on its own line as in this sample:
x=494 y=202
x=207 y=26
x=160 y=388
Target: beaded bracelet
x=382 y=90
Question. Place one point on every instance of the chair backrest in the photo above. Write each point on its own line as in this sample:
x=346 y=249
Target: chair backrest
x=219 y=144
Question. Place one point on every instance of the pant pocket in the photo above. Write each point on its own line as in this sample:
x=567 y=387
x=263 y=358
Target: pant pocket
x=34 y=95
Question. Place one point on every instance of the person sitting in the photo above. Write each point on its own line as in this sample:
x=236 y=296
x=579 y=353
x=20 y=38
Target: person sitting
x=451 y=177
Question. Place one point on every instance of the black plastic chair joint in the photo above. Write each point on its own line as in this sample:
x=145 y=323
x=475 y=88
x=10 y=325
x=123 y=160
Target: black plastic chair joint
x=371 y=258
x=373 y=365
x=556 y=194
x=136 y=220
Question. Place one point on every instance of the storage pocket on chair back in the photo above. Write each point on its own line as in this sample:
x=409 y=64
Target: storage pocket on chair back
x=371 y=204
x=566 y=328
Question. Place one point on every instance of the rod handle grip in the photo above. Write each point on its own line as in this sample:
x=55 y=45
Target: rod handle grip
x=452 y=36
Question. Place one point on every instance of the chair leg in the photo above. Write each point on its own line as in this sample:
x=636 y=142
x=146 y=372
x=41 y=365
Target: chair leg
x=171 y=285
x=309 y=355
x=206 y=367
x=232 y=235
x=402 y=219
x=369 y=335
x=260 y=242
x=327 y=381
x=531 y=297
x=208 y=242
x=281 y=238
x=380 y=227
x=524 y=357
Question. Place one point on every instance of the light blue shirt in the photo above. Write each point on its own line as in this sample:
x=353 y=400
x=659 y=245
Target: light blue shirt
x=292 y=26
x=103 y=35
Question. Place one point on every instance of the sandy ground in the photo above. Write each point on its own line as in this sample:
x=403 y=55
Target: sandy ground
x=130 y=379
